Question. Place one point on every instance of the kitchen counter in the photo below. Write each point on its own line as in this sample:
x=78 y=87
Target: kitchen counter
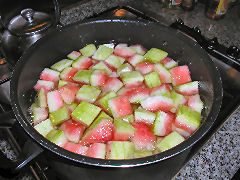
x=220 y=157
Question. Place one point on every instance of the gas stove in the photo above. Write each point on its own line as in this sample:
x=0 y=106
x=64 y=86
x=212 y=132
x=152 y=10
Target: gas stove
x=14 y=141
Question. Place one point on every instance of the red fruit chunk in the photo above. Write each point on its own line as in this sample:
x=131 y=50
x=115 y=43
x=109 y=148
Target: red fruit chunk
x=54 y=101
x=97 y=150
x=123 y=51
x=145 y=67
x=68 y=92
x=49 y=75
x=68 y=75
x=100 y=131
x=180 y=75
x=82 y=63
x=120 y=106
x=47 y=85
x=98 y=78
x=76 y=148
x=161 y=89
x=143 y=138
x=112 y=84
x=73 y=130
x=137 y=94
x=163 y=123
x=156 y=103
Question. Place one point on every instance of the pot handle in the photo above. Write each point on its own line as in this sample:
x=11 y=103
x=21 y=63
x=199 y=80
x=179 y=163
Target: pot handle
x=9 y=168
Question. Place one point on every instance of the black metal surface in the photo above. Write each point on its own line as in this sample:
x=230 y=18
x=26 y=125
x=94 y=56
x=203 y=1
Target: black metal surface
x=230 y=102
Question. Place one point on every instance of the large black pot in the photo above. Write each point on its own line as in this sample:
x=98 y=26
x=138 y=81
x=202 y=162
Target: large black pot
x=56 y=45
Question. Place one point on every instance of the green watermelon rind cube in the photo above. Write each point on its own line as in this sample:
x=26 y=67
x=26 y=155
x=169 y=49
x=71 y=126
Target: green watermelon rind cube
x=131 y=77
x=83 y=76
x=102 y=53
x=170 y=141
x=102 y=66
x=122 y=126
x=104 y=100
x=57 y=136
x=155 y=55
x=152 y=80
x=88 y=93
x=42 y=98
x=144 y=153
x=188 y=116
x=114 y=61
x=88 y=50
x=85 y=113
x=59 y=116
x=124 y=68
x=44 y=127
x=60 y=65
x=121 y=150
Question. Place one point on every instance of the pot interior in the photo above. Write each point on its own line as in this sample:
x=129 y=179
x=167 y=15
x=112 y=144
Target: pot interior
x=58 y=44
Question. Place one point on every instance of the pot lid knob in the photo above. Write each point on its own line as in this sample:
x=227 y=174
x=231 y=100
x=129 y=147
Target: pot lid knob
x=29 y=22
x=27 y=14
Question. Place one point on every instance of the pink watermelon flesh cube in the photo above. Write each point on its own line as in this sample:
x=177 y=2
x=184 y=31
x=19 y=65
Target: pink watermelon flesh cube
x=135 y=59
x=75 y=148
x=54 y=100
x=68 y=73
x=169 y=63
x=47 y=85
x=163 y=124
x=144 y=116
x=39 y=114
x=195 y=103
x=157 y=102
x=97 y=150
x=138 y=48
x=188 y=89
x=123 y=131
x=50 y=75
x=120 y=106
x=100 y=131
x=145 y=67
x=82 y=63
x=187 y=119
x=164 y=88
x=180 y=131
x=180 y=75
x=68 y=92
x=136 y=95
x=73 y=130
x=74 y=55
x=112 y=84
x=143 y=138
x=123 y=51
x=98 y=78
x=164 y=74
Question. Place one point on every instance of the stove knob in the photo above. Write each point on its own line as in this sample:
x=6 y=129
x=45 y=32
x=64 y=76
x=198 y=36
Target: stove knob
x=196 y=29
x=214 y=41
x=233 y=51
x=180 y=21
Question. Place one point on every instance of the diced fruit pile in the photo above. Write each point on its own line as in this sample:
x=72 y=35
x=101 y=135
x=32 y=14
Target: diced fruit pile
x=117 y=102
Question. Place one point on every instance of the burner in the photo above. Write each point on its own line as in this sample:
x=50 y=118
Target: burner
x=43 y=167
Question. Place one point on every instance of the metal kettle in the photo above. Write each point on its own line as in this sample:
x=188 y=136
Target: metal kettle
x=25 y=29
